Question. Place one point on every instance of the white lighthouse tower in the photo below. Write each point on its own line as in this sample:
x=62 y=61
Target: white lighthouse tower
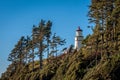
x=78 y=39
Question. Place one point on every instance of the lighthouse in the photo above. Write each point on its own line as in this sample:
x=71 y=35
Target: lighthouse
x=78 y=38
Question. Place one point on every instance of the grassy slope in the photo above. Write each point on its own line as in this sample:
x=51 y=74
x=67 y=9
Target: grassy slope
x=71 y=67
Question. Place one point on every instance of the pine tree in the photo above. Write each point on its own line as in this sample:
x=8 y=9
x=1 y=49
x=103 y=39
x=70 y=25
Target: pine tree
x=116 y=22
x=27 y=48
x=101 y=14
x=20 y=50
x=13 y=57
x=55 y=42
x=48 y=35
x=17 y=55
x=40 y=33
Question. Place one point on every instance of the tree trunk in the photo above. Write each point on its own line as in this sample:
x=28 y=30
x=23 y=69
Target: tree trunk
x=47 y=48
x=32 y=58
x=40 y=54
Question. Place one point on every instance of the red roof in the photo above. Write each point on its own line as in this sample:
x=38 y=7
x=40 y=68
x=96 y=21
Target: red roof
x=79 y=29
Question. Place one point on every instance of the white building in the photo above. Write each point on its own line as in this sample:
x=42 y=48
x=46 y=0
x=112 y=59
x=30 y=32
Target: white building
x=78 y=39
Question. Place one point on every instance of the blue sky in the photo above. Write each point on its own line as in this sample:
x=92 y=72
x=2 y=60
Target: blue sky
x=18 y=16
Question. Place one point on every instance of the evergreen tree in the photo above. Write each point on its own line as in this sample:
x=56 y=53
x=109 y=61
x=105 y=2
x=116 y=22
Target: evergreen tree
x=48 y=35
x=27 y=48
x=21 y=46
x=55 y=42
x=100 y=13
x=17 y=55
x=40 y=33
x=13 y=57
x=116 y=21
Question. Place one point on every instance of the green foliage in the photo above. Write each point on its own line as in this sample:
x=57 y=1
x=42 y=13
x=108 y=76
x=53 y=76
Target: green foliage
x=71 y=67
x=104 y=70
x=99 y=59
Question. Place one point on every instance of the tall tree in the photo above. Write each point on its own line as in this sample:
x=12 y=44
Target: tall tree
x=55 y=42
x=20 y=50
x=40 y=33
x=48 y=35
x=12 y=57
x=17 y=54
x=116 y=21
x=27 y=48
x=101 y=14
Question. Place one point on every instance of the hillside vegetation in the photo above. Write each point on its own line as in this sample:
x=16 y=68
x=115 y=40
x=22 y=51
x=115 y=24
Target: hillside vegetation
x=73 y=66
